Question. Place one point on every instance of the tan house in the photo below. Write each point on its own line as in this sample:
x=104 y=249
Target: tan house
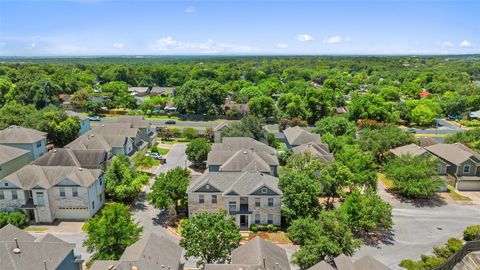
x=147 y=132
x=462 y=164
x=249 y=197
x=47 y=193
x=81 y=158
x=302 y=141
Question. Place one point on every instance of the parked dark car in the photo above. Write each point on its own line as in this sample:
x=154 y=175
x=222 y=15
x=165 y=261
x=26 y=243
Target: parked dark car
x=170 y=122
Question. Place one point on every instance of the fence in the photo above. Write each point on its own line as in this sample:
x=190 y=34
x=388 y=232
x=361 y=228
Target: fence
x=458 y=256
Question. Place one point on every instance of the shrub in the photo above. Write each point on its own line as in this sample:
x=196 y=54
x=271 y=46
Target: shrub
x=17 y=219
x=190 y=133
x=471 y=232
x=253 y=228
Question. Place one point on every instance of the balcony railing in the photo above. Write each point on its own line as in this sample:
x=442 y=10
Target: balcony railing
x=243 y=210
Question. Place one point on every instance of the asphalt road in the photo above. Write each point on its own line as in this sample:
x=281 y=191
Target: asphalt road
x=444 y=127
x=420 y=227
x=178 y=123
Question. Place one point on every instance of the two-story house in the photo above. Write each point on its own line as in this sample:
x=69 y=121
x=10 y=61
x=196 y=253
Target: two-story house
x=28 y=139
x=21 y=250
x=463 y=164
x=250 y=197
x=47 y=193
x=237 y=154
x=114 y=144
x=301 y=141
x=415 y=150
x=147 y=132
x=12 y=159
x=84 y=121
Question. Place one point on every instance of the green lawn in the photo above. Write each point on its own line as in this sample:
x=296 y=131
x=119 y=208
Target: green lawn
x=163 y=151
x=387 y=182
x=35 y=229
x=455 y=196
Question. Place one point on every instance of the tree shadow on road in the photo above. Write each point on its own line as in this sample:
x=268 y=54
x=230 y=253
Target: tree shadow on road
x=140 y=204
x=374 y=239
x=434 y=200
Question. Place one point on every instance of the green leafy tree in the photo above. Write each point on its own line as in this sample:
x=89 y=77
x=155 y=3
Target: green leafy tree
x=414 y=176
x=300 y=194
x=262 y=106
x=250 y=126
x=371 y=106
x=200 y=97
x=304 y=229
x=190 y=133
x=333 y=179
x=471 y=233
x=122 y=182
x=170 y=189
x=210 y=237
x=336 y=125
x=16 y=218
x=367 y=212
x=80 y=98
x=332 y=239
x=360 y=163
x=111 y=232
x=142 y=161
x=197 y=151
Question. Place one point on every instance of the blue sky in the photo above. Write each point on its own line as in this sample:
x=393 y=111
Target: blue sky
x=148 y=27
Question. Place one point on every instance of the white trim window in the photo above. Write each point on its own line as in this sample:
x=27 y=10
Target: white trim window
x=264 y=190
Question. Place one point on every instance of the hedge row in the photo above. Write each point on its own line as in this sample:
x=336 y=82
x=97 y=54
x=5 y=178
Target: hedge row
x=17 y=219
x=264 y=228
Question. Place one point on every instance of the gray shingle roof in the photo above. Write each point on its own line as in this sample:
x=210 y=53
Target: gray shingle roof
x=92 y=141
x=453 y=153
x=161 y=90
x=116 y=129
x=370 y=263
x=322 y=266
x=410 y=149
x=16 y=134
x=138 y=89
x=150 y=252
x=342 y=262
x=33 y=253
x=8 y=153
x=75 y=114
x=253 y=253
x=73 y=157
x=242 y=183
x=135 y=121
x=319 y=150
x=298 y=135
x=48 y=176
x=240 y=143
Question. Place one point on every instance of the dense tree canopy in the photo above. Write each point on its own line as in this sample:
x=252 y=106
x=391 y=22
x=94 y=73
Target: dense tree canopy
x=170 y=188
x=122 y=182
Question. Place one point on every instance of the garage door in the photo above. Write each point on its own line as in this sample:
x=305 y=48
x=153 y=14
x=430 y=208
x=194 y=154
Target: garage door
x=72 y=213
x=468 y=185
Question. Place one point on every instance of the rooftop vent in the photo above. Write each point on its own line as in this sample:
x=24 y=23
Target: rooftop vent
x=16 y=250
x=54 y=150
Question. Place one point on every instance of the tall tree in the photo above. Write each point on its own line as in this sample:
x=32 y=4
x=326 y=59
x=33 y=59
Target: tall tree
x=122 y=182
x=197 y=151
x=170 y=189
x=111 y=232
x=210 y=237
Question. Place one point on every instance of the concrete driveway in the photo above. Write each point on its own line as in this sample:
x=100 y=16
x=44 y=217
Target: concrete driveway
x=420 y=227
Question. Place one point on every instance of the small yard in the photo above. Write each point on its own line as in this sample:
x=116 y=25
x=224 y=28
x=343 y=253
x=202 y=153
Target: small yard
x=35 y=229
x=163 y=151
x=387 y=182
x=456 y=196
x=277 y=237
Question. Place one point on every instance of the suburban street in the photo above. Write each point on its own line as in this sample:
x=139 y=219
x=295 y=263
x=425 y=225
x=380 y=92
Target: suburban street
x=419 y=228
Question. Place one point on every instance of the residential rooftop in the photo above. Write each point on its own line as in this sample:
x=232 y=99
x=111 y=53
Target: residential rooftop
x=20 y=135
x=299 y=135
x=8 y=153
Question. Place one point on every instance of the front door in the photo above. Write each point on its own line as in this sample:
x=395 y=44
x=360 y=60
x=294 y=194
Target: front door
x=243 y=220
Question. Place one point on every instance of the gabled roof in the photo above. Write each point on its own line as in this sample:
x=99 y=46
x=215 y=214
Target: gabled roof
x=454 y=153
x=298 y=135
x=242 y=160
x=116 y=129
x=138 y=89
x=342 y=262
x=31 y=176
x=323 y=266
x=161 y=90
x=16 y=134
x=32 y=253
x=370 y=263
x=409 y=149
x=91 y=141
x=134 y=121
x=241 y=183
x=256 y=250
x=240 y=143
x=319 y=150
x=73 y=157
x=8 y=153
x=220 y=126
x=75 y=114
x=150 y=252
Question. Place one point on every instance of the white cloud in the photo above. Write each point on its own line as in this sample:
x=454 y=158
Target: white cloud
x=282 y=45
x=33 y=45
x=171 y=45
x=336 y=39
x=190 y=9
x=304 y=37
x=446 y=44
x=118 y=45
x=465 y=44
x=2 y=43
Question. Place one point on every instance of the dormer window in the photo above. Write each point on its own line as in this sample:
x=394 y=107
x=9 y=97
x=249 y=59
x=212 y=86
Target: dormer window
x=264 y=190
x=466 y=168
x=207 y=187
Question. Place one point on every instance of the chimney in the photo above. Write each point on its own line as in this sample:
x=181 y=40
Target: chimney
x=45 y=265
x=264 y=263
